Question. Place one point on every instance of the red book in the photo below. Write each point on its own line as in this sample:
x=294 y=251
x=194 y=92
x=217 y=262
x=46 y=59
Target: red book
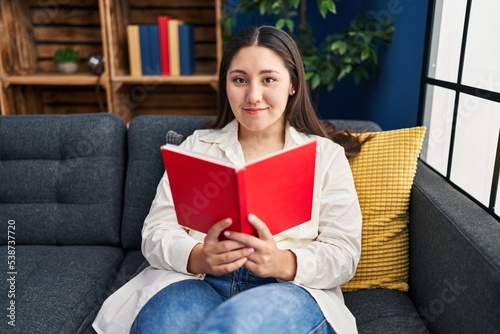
x=278 y=188
x=163 y=42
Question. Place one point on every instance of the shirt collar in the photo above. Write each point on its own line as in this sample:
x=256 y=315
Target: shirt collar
x=294 y=137
x=225 y=137
x=227 y=140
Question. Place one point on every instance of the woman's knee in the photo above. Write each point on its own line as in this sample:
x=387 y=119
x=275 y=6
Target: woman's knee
x=179 y=308
x=279 y=307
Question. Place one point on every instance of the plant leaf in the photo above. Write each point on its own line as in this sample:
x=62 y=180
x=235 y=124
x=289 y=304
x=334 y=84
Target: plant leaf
x=325 y=6
x=275 y=6
x=285 y=22
x=280 y=23
x=339 y=45
x=262 y=7
x=315 y=81
x=365 y=54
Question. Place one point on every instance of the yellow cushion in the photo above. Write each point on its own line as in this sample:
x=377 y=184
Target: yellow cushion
x=383 y=175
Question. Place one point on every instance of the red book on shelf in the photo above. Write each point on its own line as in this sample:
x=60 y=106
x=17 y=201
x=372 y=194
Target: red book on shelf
x=163 y=40
x=277 y=188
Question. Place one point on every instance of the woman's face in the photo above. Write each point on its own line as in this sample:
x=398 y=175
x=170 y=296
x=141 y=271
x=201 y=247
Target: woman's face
x=258 y=86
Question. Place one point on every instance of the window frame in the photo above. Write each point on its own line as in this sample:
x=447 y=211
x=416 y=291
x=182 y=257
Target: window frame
x=458 y=88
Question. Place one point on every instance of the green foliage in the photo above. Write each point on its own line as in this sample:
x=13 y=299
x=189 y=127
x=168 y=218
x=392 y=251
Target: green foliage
x=354 y=51
x=66 y=55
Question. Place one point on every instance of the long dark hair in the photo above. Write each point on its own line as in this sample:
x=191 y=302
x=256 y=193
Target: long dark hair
x=299 y=112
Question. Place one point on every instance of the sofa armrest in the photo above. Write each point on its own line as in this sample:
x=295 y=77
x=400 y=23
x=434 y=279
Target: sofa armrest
x=454 y=258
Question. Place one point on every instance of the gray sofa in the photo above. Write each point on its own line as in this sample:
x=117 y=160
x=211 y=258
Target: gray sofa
x=74 y=191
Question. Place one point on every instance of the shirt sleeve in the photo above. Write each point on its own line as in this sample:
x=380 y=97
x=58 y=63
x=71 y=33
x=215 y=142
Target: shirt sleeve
x=332 y=258
x=166 y=244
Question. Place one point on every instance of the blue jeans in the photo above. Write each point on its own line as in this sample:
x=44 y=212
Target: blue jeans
x=238 y=302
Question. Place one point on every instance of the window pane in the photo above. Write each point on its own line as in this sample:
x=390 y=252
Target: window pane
x=482 y=54
x=447 y=39
x=438 y=118
x=475 y=146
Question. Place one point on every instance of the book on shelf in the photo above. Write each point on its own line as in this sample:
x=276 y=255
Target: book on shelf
x=173 y=46
x=163 y=41
x=150 y=57
x=134 y=50
x=186 y=49
x=277 y=188
x=155 y=49
x=144 y=42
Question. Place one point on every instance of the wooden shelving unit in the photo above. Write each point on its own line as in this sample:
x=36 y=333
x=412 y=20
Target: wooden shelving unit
x=31 y=32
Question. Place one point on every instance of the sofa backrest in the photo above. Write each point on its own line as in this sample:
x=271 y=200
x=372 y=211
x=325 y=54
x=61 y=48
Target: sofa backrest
x=61 y=178
x=145 y=168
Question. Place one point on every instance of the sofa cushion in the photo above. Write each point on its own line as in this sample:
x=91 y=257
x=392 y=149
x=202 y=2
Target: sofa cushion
x=59 y=289
x=62 y=178
x=383 y=174
x=382 y=311
x=145 y=168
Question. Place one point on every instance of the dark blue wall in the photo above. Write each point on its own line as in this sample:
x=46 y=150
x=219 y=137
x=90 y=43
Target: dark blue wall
x=391 y=99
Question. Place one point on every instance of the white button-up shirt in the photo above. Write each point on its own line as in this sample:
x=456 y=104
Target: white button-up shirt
x=327 y=248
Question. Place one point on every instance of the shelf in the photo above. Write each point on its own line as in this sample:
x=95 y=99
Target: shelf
x=206 y=79
x=49 y=79
x=188 y=79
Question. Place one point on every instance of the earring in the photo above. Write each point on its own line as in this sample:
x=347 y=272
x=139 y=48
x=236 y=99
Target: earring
x=293 y=92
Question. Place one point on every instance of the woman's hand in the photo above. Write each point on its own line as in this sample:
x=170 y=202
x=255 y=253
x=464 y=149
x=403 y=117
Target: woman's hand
x=267 y=260
x=217 y=257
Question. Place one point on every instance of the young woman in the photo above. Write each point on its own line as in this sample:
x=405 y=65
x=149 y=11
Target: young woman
x=286 y=283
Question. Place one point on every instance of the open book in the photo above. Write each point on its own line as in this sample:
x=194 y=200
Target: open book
x=277 y=188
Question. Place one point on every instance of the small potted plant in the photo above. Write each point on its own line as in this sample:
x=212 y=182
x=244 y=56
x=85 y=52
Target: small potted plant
x=66 y=59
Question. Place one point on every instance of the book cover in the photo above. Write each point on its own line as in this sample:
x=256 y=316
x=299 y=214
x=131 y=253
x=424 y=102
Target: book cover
x=145 y=44
x=173 y=46
x=186 y=49
x=134 y=50
x=278 y=189
x=155 y=49
x=163 y=36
